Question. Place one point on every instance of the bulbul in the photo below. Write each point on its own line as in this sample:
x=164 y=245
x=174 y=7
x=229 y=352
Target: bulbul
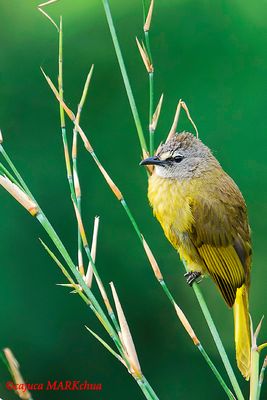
x=204 y=216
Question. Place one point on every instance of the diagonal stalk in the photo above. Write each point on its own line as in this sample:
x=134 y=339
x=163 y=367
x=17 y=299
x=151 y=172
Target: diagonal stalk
x=261 y=378
x=125 y=77
x=90 y=149
x=217 y=340
x=197 y=291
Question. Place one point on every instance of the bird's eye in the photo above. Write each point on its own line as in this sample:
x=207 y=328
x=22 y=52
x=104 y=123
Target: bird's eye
x=178 y=158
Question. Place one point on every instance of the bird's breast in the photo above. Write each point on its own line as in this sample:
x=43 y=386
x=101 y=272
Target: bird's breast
x=170 y=200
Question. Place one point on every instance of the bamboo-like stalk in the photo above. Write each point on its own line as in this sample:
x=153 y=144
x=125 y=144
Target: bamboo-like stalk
x=73 y=178
x=147 y=23
x=130 y=350
x=97 y=276
x=89 y=272
x=255 y=358
x=261 y=378
x=217 y=340
x=90 y=149
x=14 y=369
x=201 y=300
x=74 y=184
x=62 y=115
x=109 y=181
x=40 y=216
x=125 y=77
x=4 y=171
x=198 y=343
x=75 y=164
x=145 y=386
x=254 y=378
x=93 y=303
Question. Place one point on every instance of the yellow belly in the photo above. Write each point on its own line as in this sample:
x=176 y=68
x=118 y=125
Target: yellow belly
x=170 y=200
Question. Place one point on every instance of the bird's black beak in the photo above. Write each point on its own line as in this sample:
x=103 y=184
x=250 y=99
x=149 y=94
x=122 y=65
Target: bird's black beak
x=151 y=161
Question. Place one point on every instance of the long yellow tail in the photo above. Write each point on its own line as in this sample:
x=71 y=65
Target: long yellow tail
x=242 y=331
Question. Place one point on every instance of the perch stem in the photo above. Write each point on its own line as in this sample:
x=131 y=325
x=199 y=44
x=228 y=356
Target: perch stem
x=217 y=339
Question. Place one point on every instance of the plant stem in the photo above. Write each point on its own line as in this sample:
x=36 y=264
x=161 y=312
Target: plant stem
x=196 y=289
x=61 y=248
x=15 y=171
x=202 y=350
x=147 y=389
x=62 y=114
x=131 y=218
x=148 y=46
x=9 y=175
x=264 y=365
x=217 y=340
x=151 y=95
x=125 y=76
x=254 y=378
x=143 y=145
x=151 y=105
x=118 y=195
x=115 y=191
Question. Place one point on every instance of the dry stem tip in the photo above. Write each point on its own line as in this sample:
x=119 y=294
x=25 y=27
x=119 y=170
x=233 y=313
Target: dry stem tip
x=126 y=336
x=186 y=324
x=16 y=375
x=145 y=57
x=156 y=115
x=149 y=17
x=152 y=261
x=19 y=195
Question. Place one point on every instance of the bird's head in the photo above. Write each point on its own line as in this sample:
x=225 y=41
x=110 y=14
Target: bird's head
x=182 y=157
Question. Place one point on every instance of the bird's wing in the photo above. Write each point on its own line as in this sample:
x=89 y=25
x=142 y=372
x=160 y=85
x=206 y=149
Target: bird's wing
x=220 y=234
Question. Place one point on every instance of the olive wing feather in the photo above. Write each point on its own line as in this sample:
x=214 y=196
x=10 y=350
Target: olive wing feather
x=221 y=235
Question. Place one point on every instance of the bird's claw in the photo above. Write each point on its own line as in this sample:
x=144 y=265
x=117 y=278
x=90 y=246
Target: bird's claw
x=192 y=277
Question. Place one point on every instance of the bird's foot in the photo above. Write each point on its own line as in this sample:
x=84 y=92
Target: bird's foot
x=192 y=276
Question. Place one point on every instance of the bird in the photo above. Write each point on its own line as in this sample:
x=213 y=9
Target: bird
x=204 y=216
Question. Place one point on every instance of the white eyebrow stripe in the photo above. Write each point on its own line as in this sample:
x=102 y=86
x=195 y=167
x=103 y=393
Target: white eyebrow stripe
x=166 y=155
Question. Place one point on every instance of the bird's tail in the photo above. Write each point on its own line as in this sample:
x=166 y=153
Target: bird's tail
x=242 y=331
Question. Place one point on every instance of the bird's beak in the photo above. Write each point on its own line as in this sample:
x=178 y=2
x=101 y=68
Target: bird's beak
x=151 y=161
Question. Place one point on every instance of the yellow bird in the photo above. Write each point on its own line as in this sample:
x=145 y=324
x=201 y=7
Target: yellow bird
x=204 y=216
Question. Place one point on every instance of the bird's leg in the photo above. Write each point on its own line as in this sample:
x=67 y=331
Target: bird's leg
x=192 y=277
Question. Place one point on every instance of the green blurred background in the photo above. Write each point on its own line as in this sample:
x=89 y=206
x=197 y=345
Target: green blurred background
x=213 y=55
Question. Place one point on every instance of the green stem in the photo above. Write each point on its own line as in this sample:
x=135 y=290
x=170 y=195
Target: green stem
x=80 y=244
x=4 y=171
x=146 y=388
x=151 y=105
x=110 y=311
x=217 y=341
x=62 y=114
x=216 y=372
x=151 y=84
x=150 y=389
x=254 y=378
x=65 y=140
x=142 y=141
x=261 y=379
x=201 y=349
x=139 y=234
x=96 y=306
x=61 y=248
x=15 y=171
x=67 y=162
x=131 y=218
x=125 y=76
